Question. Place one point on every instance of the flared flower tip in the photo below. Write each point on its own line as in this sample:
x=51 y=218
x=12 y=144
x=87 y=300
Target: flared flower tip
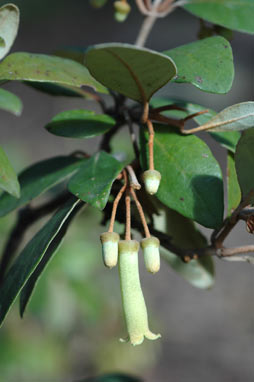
x=122 y=9
x=138 y=340
x=109 y=241
x=150 y=248
x=152 y=180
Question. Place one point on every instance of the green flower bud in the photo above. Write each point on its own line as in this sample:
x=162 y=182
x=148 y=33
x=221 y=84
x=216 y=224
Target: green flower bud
x=122 y=9
x=152 y=180
x=134 y=306
x=109 y=242
x=150 y=247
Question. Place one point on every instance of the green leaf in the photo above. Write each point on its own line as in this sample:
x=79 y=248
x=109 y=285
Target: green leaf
x=55 y=89
x=191 y=177
x=8 y=177
x=92 y=183
x=30 y=284
x=206 y=64
x=30 y=257
x=9 y=24
x=115 y=377
x=38 y=178
x=80 y=124
x=10 y=102
x=236 y=117
x=227 y=139
x=200 y=273
x=234 y=192
x=42 y=68
x=134 y=72
x=244 y=163
x=233 y=14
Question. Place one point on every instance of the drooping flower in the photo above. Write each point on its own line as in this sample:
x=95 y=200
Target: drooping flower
x=109 y=241
x=152 y=180
x=134 y=306
x=150 y=246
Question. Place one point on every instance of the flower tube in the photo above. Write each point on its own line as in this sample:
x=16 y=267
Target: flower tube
x=134 y=306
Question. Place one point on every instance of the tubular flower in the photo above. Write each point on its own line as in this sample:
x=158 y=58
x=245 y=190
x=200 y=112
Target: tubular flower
x=152 y=180
x=132 y=296
x=150 y=246
x=109 y=242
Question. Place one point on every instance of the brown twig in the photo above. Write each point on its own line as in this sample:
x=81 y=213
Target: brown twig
x=133 y=179
x=141 y=213
x=128 y=215
x=116 y=202
x=150 y=144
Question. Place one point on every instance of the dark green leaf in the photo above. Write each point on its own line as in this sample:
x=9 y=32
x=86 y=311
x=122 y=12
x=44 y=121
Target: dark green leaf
x=233 y=14
x=199 y=273
x=30 y=257
x=38 y=178
x=54 y=89
x=234 y=192
x=191 y=177
x=134 y=72
x=116 y=377
x=42 y=68
x=10 y=102
x=80 y=124
x=8 y=177
x=29 y=286
x=92 y=183
x=227 y=139
x=236 y=117
x=9 y=24
x=244 y=163
x=206 y=64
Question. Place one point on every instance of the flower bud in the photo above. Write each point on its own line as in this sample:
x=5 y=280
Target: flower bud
x=122 y=9
x=134 y=306
x=109 y=242
x=152 y=180
x=150 y=247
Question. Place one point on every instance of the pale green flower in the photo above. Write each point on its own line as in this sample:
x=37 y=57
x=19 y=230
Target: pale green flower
x=134 y=306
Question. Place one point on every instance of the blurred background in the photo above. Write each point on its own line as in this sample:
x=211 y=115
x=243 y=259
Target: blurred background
x=72 y=325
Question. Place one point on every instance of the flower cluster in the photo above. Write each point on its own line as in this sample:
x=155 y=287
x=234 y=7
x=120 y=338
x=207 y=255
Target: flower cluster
x=125 y=254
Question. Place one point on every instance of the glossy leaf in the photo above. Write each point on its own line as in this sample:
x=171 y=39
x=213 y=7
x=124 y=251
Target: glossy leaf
x=236 y=117
x=200 y=273
x=134 y=72
x=9 y=23
x=244 y=163
x=92 y=183
x=191 y=177
x=42 y=68
x=206 y=64
x=80 y=124
x=10 y=102
x=233 y=14
x=29 y=258
x=8 y=177
x=38 y=178
x=29 y=286
x=234 y=192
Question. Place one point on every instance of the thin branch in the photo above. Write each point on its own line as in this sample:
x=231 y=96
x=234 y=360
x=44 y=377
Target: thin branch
x=134 y=183
x=128 y=215
x=150 y=144
x=148 y=23
x=141 y=213
x=116 y=202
